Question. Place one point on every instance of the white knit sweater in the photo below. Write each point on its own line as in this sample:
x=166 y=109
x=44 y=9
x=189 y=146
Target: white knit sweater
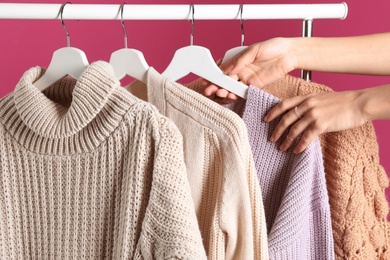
x=220 y=167
x=88 y=171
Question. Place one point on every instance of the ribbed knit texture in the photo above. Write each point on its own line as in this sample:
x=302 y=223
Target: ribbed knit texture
x=220 y=168
x=356 y=182
x=294 y=190
x=88 y=171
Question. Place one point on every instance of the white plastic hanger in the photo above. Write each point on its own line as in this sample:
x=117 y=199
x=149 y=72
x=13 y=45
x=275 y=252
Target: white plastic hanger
x=130 y=62
x=198 y=60
x=232 y=52
x=65 y=61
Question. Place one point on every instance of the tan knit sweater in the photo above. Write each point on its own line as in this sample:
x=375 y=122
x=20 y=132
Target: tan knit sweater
x=356 y=181
x=220 y=168
x=88 y=171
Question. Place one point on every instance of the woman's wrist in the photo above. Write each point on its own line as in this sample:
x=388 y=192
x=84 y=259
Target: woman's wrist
x=320 y=54
x=298 y=50
x=374 y=103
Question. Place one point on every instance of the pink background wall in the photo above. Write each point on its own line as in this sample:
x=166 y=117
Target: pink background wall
x=27 y=43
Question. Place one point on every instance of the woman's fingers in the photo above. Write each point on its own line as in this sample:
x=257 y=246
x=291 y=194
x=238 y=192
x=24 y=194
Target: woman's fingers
x=297 y=121
x=220 y=92
x=210 y=90
x=311 y=115
x=286 y=105
x=285 y=122
x=308 y=136
x=303 y=128
x=240 y=60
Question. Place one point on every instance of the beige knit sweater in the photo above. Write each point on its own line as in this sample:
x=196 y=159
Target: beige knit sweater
x=356 y=181
x=88 y=171
x=220 y=168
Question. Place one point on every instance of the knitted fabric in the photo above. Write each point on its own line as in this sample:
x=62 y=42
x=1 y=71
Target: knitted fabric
x=294 y=191
x=355 y=179
x=295 y=198
x=220 y=168
x=88 y=171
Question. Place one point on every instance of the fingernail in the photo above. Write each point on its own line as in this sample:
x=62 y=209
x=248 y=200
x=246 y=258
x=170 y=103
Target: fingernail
x=272 y=139
x=266 y=118
x=283 y=147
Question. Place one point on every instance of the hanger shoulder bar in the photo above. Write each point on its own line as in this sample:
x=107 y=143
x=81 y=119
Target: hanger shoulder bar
x=173 y=11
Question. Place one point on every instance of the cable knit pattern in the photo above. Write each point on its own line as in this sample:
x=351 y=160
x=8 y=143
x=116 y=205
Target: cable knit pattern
x=356 y=182
x=220 y=167
x=88 y=171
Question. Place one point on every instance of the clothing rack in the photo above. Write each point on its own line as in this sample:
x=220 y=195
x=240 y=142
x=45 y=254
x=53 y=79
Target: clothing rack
x=174 y=11
x=305 y=12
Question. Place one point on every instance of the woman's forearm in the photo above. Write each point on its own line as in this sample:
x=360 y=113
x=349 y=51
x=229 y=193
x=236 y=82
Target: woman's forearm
x=368 y=54
x=375 y=102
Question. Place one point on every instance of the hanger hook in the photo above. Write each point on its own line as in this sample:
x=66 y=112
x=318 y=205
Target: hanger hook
x=63 y=23
x=192 y=11
x=123 y=25
x=242 y=25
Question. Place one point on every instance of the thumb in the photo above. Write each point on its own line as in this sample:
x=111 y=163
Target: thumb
x=226 y=66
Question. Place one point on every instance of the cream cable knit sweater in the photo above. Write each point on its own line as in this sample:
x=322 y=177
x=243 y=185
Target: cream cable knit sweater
x=88 y=171
x=220 y=168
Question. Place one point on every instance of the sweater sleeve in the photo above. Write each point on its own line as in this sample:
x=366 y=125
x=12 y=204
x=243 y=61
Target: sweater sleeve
x=170 y=228
x=245 y=231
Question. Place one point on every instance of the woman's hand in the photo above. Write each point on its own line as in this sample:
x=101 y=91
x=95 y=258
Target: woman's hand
x=259 y=65
x=314 y=114
x=265 y=62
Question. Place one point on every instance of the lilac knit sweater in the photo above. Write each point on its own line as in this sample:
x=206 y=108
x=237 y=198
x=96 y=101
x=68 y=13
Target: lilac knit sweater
x=293 y=186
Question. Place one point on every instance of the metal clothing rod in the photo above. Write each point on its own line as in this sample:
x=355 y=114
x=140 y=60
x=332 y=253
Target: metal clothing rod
x=307 y=31
x=173 y=11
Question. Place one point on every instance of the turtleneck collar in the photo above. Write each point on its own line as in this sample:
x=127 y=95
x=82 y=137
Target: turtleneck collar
x=71 y=116
x=51 y=119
